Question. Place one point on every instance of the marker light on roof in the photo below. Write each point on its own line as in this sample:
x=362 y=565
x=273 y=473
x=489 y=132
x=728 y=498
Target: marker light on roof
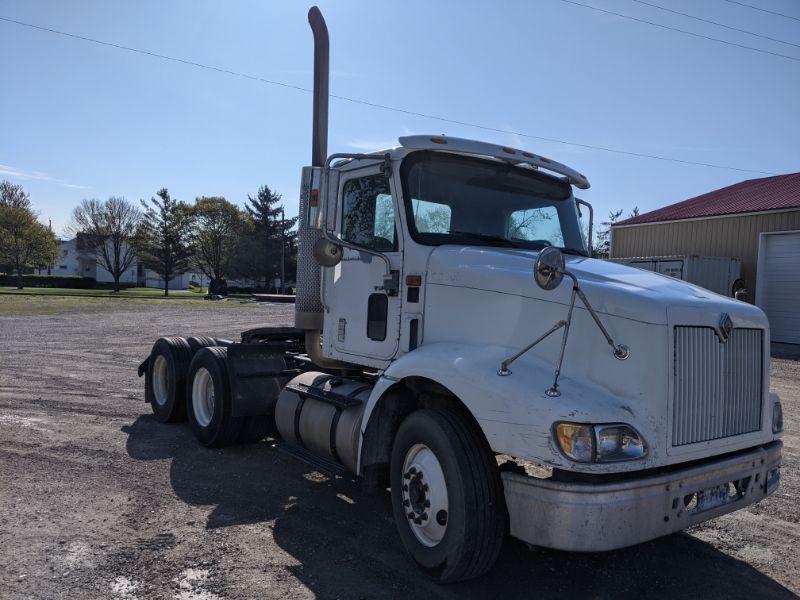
x=508 y=150
x=438 y=140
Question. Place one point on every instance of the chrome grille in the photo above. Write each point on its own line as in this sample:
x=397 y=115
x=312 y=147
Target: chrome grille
x=718 y=386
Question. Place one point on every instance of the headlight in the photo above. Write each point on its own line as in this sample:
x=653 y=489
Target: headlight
x=777 y=417
x=600 y=443
x=618 y=442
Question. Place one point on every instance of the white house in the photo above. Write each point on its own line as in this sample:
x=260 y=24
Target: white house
x=76 y=259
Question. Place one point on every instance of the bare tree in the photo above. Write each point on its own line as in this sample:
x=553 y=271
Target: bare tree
x=107 y=228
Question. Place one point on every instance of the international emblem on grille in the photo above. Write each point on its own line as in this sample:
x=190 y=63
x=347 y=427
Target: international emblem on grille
x=725 y=327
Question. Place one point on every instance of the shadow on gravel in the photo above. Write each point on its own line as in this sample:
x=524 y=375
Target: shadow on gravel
x=347 y=546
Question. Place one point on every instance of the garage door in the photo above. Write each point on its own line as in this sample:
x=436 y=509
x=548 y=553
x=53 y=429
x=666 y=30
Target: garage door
x=778 y=285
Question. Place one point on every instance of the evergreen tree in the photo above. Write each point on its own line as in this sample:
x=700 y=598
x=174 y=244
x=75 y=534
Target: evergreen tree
x=261 y=255
x=163 y=240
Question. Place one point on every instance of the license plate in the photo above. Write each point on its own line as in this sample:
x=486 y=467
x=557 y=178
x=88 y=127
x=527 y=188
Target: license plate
x=715 y=497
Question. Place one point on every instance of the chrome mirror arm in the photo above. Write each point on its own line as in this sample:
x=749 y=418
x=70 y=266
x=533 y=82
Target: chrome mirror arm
x=549 y=281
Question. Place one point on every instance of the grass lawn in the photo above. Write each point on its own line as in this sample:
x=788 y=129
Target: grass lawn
x=125 y=293
x=43 y=304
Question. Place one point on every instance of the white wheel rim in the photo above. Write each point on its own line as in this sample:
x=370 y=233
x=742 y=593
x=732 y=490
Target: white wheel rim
x=424 y=492
x=203 y=396
x=158 y=380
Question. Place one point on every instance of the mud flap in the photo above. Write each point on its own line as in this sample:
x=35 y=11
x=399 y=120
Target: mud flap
x=257 y=373
x=143 y=367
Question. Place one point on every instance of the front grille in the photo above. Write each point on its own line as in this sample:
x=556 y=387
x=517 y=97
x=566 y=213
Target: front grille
x=718 y=386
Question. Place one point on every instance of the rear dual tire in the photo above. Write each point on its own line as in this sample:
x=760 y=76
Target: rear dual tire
x=165 y=378
x=209 y=406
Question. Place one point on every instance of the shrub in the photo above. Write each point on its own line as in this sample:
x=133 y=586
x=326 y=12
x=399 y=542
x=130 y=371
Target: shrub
x=50 y=281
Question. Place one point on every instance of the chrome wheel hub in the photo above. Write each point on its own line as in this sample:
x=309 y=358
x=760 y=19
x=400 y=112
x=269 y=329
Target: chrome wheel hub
x=203 y=397
x=424 y=493
x=158 y=380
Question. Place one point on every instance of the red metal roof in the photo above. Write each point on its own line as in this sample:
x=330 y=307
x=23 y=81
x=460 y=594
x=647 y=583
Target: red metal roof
x=754 y=195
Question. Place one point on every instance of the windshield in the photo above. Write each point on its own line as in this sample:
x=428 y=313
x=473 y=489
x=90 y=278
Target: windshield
x=454 y=199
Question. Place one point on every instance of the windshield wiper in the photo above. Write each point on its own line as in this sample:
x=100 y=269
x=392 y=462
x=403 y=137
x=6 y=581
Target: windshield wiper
x=495 y=239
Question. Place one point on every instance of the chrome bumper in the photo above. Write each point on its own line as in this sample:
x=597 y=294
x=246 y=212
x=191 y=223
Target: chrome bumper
x=586 y=517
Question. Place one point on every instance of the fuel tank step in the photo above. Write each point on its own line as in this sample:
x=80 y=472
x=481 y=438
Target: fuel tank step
x=319 y=463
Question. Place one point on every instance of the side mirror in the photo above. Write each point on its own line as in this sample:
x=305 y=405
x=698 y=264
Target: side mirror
x=326 y=253
x=590 y=233
x=549 y=268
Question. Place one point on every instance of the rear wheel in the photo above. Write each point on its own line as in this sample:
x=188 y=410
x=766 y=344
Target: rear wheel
x=447 y=497
x=208 y=398
x=165 y=380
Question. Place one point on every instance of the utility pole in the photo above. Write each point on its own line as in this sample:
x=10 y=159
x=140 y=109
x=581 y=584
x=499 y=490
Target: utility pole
x=283 y=246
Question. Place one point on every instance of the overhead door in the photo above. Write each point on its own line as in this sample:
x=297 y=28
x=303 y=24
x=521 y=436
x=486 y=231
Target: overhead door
x=778 y=285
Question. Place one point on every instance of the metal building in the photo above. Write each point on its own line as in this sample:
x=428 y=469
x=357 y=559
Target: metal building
x=756 y=221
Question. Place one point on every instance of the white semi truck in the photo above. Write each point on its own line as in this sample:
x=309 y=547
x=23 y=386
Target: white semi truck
x=455 y=343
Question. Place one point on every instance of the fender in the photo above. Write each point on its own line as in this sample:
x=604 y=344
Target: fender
x=513 y=412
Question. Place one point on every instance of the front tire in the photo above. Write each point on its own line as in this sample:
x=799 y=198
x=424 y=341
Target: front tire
x=208 y=398
x=447 y=498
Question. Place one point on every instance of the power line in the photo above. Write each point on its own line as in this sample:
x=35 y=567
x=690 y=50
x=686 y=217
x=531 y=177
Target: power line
x=684 y=31
x=380 y=106
x=772 y=12
x=702 y=20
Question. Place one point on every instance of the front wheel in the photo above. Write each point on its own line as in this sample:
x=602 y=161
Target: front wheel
x=447 y=498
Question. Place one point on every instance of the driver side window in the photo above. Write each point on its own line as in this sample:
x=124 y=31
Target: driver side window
x=368 y=213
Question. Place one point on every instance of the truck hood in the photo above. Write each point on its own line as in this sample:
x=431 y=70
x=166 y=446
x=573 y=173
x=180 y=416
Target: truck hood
x=612 y=288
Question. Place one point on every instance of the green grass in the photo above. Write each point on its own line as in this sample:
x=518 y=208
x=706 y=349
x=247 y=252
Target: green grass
x=43 y=304
x=125 y=293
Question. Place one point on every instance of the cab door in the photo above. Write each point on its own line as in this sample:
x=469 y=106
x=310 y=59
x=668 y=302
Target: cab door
x=363 y=318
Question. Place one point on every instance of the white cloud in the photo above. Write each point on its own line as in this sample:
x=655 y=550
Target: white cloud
x=23 y=175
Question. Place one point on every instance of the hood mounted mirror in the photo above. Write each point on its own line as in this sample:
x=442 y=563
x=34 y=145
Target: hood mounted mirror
x=548 y=272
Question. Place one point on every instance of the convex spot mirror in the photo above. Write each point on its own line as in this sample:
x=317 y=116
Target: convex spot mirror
x=549 y=269
x=326 y=253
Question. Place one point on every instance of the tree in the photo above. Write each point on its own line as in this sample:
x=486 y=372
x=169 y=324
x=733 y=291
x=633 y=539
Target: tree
x=13 y=195
x=107 y=229
x=271 y=233
x=603 y=247
x=163 y=240
x=24 y=242
x=217 y=236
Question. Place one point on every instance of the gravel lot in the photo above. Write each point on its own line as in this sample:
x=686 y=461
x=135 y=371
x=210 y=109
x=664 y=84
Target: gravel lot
x=98 y=500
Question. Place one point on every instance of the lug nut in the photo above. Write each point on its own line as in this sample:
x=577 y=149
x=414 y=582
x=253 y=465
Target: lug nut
x=425 y=487
x=427 y=504
x=424 y=516
x=418 y=521
x=407 y=475
x=413 y=470
x=405 y=488
x=410 y=515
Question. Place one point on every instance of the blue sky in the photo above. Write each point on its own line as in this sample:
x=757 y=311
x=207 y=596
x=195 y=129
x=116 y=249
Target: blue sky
x=79 y=120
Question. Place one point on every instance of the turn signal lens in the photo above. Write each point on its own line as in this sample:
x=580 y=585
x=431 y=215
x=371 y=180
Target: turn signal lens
x=618 y=442
x=600 y=443
x=576 y=441
x=777 y=417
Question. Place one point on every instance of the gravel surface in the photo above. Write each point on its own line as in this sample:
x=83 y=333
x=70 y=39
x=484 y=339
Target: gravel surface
x=98 y=500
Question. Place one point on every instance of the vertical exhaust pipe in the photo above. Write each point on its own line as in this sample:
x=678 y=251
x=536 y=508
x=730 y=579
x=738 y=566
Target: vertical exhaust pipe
x=308 y=308
x=319 y=142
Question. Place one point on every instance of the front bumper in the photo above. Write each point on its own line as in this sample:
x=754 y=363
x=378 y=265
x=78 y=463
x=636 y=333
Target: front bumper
x=588 y=517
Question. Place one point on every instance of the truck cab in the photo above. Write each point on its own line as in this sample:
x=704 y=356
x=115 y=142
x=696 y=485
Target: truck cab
x=456 y=344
